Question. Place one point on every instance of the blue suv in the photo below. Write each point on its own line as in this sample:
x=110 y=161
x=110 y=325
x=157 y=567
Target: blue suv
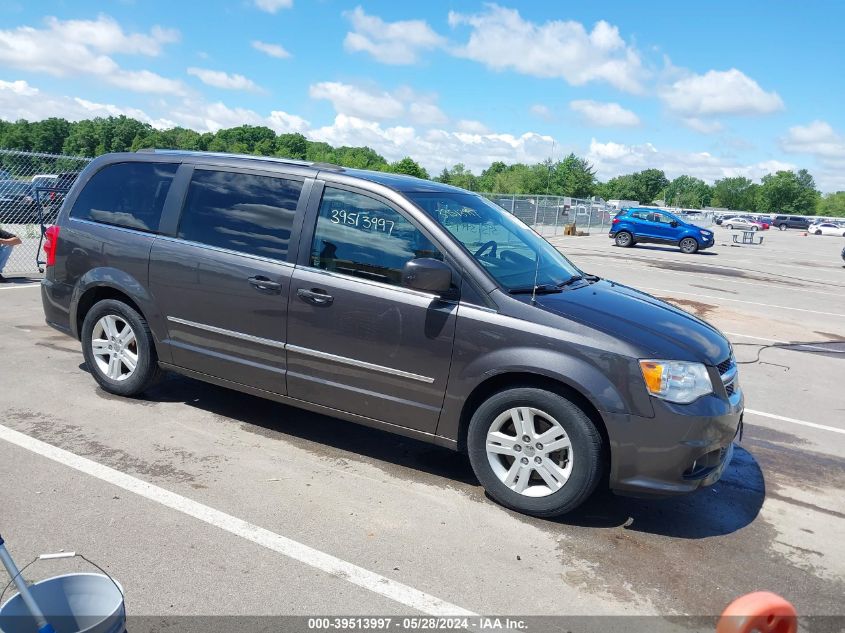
x=631 y=226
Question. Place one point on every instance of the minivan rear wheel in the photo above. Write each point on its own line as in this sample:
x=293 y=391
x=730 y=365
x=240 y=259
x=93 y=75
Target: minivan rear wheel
x=624 y=239
x=688 y=245
x=535 y=451
x=118 y=348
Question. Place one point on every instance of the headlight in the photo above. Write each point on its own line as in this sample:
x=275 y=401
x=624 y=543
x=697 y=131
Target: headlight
x=675 y=380
x=706 y=233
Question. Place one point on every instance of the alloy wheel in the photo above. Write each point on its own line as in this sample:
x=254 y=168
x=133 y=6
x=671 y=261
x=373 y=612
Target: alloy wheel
x=115 y=347
x=529 y=451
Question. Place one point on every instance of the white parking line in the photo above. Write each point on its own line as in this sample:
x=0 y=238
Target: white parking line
x=398 y=592
x=721 y=280
x=18 y=286
x=755 y=303
x=812 y=425
x=778 y=342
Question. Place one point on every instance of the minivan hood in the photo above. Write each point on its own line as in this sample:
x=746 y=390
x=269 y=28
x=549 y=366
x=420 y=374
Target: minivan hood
x=659 y=329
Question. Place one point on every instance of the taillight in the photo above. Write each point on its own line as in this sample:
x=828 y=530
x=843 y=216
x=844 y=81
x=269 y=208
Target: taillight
x=51 y=241
x=615 y=221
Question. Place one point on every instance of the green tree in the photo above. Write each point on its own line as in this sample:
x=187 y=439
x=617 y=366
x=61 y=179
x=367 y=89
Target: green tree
x=49 y=135
x=621 y=188
x=291 y=146
x=359 y=158
x=832 y=204
x=788 y=192
x=409 y=167
x=688 y=192
x=83 y=140
x=460 y=176
x=573 y=176
x=735 y=193
x=649 y=184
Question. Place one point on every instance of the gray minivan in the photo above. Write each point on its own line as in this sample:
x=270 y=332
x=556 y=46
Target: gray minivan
x=393 y=302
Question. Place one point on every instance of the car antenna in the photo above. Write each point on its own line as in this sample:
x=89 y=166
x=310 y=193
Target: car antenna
x=548 y=187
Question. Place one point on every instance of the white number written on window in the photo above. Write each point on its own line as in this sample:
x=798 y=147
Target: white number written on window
x=362 y=221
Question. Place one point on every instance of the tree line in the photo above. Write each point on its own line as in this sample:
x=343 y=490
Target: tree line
x=780 y=192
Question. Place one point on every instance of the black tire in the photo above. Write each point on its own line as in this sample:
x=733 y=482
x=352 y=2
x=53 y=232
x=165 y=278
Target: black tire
x=688 y=245
x=729 y=227
x=624 y=239
x=818 y=232
x=782 y=227
x=753 y=228
x=586 y=452
x=146 y=372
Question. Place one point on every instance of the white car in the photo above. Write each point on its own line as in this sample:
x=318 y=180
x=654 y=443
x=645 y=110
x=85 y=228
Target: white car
x=826 y=228
x=741 y=223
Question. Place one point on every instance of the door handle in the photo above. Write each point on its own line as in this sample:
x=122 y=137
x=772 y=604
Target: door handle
x=263 y=284
x=315 y=296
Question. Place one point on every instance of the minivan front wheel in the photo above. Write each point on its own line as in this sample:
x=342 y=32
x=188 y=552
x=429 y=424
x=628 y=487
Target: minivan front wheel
x=118 y=348
x=535 y=451
x=782 y=227
x=624 y=239
x=688 y=245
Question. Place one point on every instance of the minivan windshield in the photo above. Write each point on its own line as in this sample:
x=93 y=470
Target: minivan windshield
x=514 y=255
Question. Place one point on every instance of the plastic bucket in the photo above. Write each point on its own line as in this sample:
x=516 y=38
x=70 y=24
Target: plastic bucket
x=73 y=603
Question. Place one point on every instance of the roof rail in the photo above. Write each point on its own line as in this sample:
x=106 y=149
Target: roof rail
x=272 y=159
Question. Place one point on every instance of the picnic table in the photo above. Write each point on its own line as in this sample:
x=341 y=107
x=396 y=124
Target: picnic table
x=747 y=238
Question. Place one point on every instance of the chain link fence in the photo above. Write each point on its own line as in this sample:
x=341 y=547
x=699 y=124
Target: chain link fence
x=549 y=215
x=32 y=188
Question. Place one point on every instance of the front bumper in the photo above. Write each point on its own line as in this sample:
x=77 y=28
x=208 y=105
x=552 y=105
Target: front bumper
x=682 y=448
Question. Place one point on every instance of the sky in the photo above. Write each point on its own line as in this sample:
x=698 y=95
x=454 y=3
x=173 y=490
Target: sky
x=710 y=89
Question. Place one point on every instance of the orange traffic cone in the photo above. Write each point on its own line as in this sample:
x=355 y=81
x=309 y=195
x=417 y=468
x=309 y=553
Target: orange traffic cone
x=759 y=611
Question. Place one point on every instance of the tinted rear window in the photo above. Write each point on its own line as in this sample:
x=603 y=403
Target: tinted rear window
x=240 y=212
x=126 y=194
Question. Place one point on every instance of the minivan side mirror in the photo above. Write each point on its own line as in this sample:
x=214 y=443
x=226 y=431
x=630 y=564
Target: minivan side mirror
x=427 y=274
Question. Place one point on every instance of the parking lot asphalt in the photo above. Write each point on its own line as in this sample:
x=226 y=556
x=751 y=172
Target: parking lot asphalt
x=206 y=501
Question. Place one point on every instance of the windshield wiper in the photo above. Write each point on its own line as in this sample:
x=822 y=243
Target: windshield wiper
x=541 y=289
x=570 y=281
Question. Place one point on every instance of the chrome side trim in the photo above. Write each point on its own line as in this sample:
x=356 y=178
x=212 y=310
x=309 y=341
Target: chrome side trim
x=219 y=330
x=357 y=363
x=729 y=375
x=372 y=282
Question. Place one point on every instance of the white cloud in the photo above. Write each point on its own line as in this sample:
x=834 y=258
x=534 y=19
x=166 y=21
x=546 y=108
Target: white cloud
x=284 y=123
x=472 y=127
x=604 y=114
x=389 y=42
x=435 y=148
x=541 y=111
x=358 y=102
x=702 y=125
x=223 y=80
x=612 y=159
x=272 y=6
x=20 y=100
x=718 y=93
x=273 y=50
x=818 y=138
x=427 y=114
x=502 y=40
x=210 y=117
x=81 y=47
x=19 y=87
